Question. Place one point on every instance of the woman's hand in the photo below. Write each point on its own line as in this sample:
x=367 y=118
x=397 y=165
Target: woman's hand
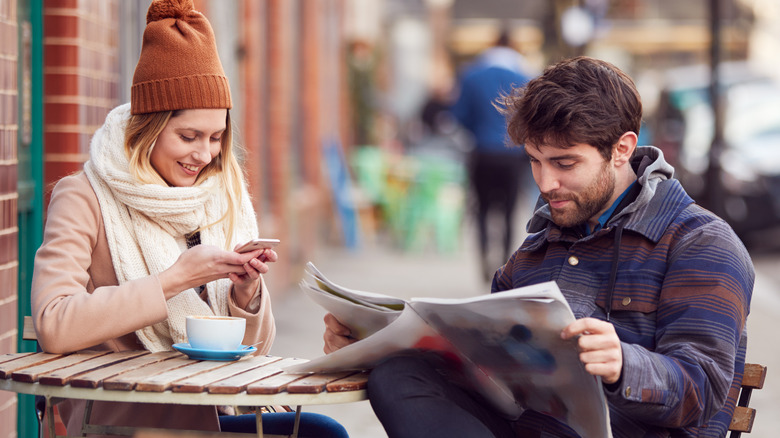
x=202 y=264
x=245 y=283
x=337 y=335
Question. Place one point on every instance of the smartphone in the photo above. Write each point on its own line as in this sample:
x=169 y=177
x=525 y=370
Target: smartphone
x=257 y=244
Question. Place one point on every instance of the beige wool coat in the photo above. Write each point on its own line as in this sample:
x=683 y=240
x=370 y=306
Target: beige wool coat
x=77 y=304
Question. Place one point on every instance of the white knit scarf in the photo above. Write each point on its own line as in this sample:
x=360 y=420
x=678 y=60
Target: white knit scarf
x=145 y=224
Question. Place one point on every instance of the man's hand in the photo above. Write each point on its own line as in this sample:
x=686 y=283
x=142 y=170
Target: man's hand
x=599 y=345
x=337 y=335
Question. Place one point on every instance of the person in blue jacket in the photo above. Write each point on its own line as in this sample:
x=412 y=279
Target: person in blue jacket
x=496 y=170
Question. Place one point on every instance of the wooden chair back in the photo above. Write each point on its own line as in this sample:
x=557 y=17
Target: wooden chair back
x=28 y=331
x=743 y=417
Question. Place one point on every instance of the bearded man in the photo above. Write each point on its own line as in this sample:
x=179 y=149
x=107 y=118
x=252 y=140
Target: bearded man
x=661 y=287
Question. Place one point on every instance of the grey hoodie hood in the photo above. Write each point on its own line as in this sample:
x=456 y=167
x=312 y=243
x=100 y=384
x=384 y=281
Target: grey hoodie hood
x=652 y=173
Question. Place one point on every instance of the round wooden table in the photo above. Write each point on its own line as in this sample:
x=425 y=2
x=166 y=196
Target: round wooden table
x=170 y=377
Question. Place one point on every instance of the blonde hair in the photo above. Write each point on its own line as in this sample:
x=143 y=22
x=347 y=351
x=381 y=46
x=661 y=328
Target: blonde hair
x=141 y=136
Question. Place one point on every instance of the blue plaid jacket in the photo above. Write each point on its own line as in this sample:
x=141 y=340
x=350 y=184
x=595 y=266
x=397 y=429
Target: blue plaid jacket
x=679 y=304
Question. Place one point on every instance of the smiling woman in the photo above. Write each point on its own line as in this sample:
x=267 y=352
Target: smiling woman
x=151 y=137
x=187 y=144
x=145 y=236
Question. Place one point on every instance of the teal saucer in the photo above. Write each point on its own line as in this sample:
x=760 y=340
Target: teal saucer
x=224 y=355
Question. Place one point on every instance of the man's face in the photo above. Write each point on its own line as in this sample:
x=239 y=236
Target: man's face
x=577 y=182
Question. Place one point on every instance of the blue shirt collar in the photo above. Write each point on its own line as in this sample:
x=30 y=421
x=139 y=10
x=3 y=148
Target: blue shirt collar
x=608 y=214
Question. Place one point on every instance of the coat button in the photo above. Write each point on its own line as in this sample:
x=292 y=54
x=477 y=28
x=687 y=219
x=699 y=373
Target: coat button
x=573 y=260
x=626 y=301
x=628 y=391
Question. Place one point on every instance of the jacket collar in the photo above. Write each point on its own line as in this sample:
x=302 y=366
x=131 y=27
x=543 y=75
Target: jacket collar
x=659 y=201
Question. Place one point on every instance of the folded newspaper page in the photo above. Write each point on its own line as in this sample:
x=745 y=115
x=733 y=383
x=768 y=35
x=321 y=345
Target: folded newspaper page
x=505 y=346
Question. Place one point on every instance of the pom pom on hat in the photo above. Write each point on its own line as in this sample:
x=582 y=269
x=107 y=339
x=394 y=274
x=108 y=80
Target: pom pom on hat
x=160 y=10
x=179 y=67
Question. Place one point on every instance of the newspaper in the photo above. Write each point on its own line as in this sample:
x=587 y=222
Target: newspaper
x=505 y=346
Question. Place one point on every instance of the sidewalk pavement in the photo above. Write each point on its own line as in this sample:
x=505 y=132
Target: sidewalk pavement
x=429 y=274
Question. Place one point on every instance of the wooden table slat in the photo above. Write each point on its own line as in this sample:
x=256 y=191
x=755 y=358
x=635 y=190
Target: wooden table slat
x=315 y=383
x=349 y=383
x=8 y=357
x=94 y=378
x=164 y=380
x=63 y=375
x=239 y=382
x=127 y=381
x=272 y=385
x=31 y=374
x=9 y=367
x=199 y=382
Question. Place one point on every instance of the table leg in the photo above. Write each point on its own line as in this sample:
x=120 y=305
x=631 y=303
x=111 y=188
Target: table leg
x=87 y=416
x=259 y=422
x=50 y=416
x=297 y=422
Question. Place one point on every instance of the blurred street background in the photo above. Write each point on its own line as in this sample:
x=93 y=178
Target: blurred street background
x=352 y=155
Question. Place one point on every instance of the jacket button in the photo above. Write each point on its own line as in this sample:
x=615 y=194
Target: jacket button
x=573 y=260
x=628 y=391
x=626 y=301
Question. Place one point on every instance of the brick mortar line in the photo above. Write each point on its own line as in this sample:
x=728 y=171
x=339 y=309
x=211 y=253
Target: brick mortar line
x=66 y=158
x=69 y=129
x=80 y=99
x=71 y=12
x=5 y=232
x=74 y=12
x=80 y=42
x=82 y=71
x=9 y=265
x=11 y=402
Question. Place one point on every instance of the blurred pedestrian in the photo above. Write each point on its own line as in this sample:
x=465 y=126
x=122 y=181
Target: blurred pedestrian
x=497 y=168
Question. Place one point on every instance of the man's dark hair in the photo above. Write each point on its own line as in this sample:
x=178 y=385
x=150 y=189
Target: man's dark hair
x=578 y=100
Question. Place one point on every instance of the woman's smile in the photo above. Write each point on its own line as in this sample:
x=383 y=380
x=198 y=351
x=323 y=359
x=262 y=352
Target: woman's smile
x=190 y=169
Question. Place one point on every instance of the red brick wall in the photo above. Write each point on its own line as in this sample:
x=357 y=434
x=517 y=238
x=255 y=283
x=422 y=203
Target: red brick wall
x=252 y=77
x=8 y=201
x=81 y=79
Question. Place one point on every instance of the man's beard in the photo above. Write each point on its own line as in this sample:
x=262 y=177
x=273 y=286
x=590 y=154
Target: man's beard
x=586 y=204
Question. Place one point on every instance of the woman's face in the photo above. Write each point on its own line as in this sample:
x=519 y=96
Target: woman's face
x=188 y=143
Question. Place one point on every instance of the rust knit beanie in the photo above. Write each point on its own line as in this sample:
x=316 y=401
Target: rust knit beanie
x=179 y=67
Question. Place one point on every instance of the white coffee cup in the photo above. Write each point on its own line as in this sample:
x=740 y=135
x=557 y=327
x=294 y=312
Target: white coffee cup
x=215 y=332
